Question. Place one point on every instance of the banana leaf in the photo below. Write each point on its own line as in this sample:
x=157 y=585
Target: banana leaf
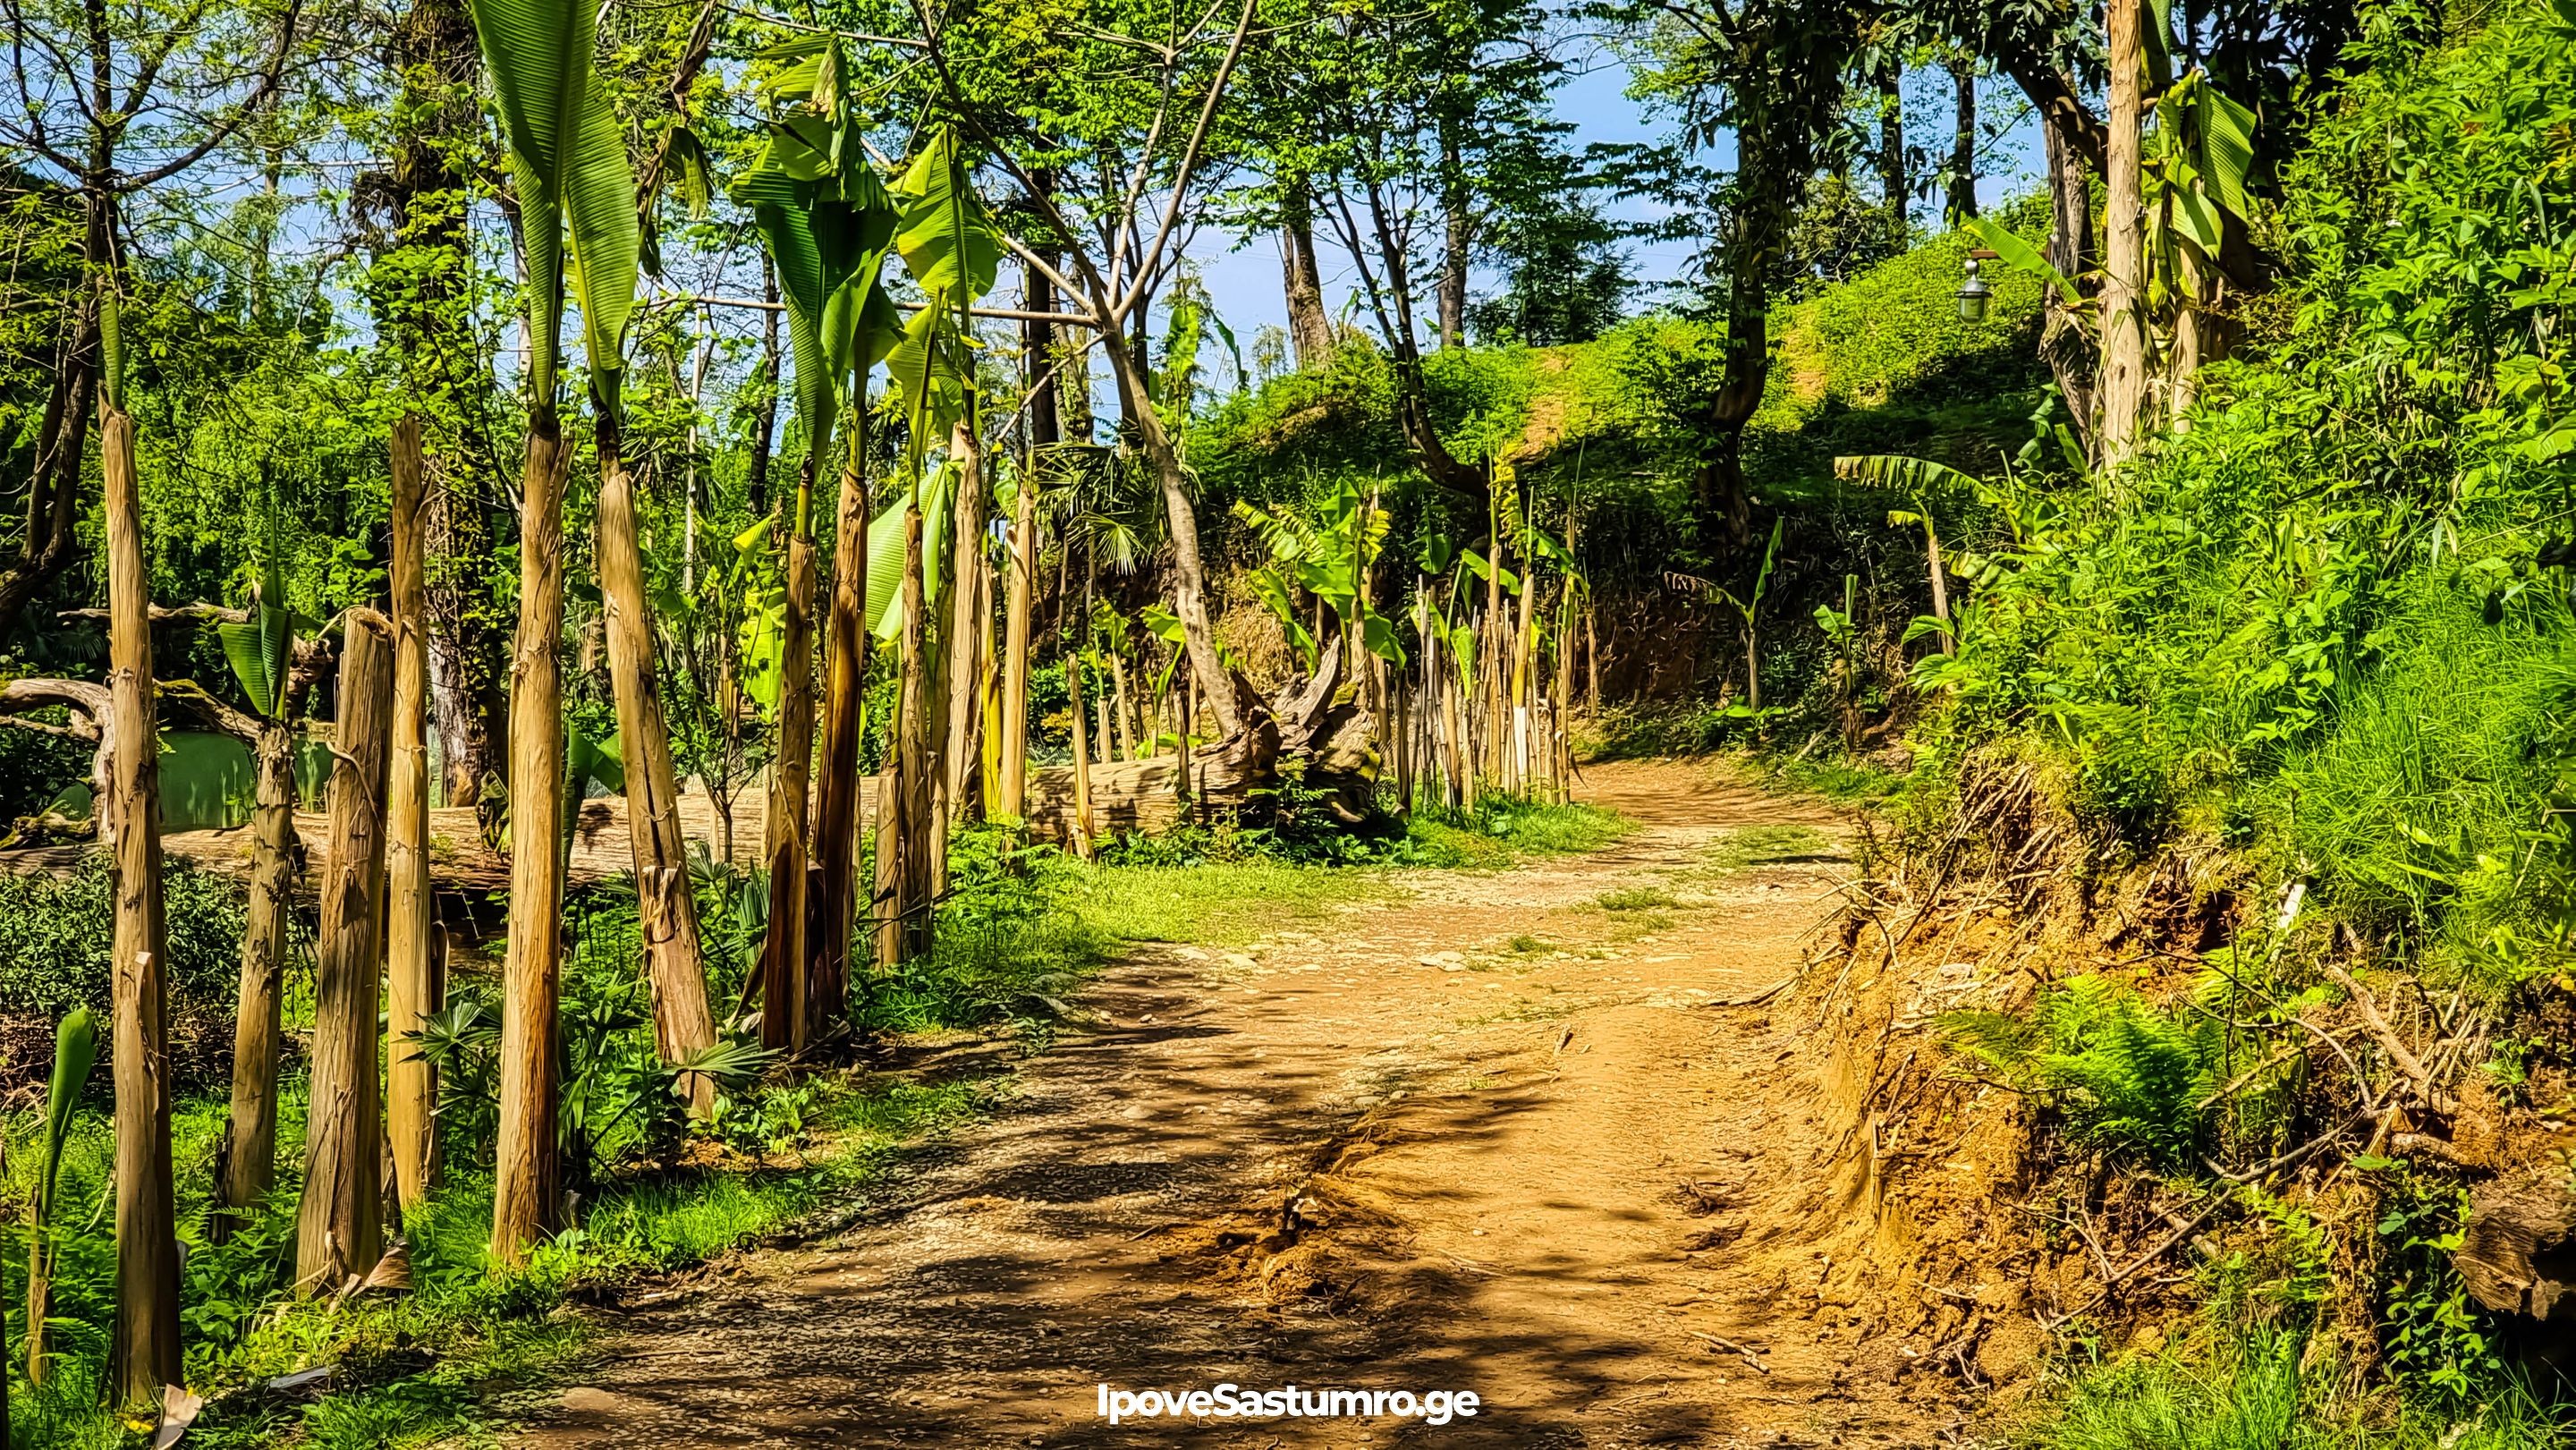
x=569 y=167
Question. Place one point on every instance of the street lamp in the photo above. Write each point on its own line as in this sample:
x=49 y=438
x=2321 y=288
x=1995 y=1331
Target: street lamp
x=1974 y=295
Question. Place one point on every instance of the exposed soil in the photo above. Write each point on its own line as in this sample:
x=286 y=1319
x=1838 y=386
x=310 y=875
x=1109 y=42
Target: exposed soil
x=1495 y=1135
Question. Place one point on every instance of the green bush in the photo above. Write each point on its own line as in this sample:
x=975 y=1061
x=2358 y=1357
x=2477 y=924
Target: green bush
x=56 y=936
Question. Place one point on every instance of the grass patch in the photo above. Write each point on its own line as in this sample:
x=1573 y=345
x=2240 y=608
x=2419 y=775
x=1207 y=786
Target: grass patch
x=416 y=1370
x=1215 y=904
x=1751 y=846
x=1635 y=898
x=2255 y=1393
x=1500 y=832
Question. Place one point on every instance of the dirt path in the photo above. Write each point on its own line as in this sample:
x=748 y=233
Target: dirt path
x=1506 y=1135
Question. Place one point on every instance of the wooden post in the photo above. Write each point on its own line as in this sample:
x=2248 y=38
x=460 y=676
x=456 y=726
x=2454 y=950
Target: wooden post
x=144 y=1355
x=408 y=923
x=526 y=1197
x=337 y=1231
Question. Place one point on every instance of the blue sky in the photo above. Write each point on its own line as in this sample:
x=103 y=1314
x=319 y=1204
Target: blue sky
x=1244 y=276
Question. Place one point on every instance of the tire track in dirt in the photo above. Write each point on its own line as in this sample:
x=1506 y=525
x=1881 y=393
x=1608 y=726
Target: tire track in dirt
x=1490 y=1136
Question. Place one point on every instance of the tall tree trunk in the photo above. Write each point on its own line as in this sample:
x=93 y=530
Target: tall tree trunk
x=1963 y=139
x=408 y=918
x=2062 y=338
x=51 y=543
x=845 y=684
x=250 y=1157
x=337 y=1231
x=1457 y=237
x=1310 y=327
x=783 y=953
x=527 y=1183
x=1189 y=576
x=1895 y=181
x=903 y=897
x=666 y=909
x=145 y=1353
x=425 y=307
x=1074 y=388
x=2124 y=261
x=1755 y=227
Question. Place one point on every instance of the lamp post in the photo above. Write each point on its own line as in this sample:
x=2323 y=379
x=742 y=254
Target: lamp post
x=1974 y=295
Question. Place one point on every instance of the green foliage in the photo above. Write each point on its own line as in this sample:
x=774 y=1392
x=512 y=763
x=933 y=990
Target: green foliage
x=2449 y=1353
x=2127 y=1077
x=568 y=162
x=55 y=935
x=2268 y=1390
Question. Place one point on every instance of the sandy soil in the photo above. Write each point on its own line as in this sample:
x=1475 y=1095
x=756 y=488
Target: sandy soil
x=1493 y=1136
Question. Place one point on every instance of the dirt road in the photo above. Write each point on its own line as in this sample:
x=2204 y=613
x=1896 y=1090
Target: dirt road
x=1507 y=1134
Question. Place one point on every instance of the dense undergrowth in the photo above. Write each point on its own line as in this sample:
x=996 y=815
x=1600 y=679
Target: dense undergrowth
x=1025 y=927
x=2309 y=663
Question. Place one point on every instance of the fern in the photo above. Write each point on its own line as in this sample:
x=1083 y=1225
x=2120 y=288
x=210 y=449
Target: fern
x=2127 y=1077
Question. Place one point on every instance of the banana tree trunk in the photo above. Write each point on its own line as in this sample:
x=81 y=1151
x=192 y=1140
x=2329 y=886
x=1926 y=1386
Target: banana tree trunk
x=665 y=909
x=903 y=923
x=2123 y=393
x=845 y=673
x=960 y=643
x=526 y=1190
x=783 y=952
x=337 y=1229
x=250 y=1158
x=1015 y=652
x=145 y=1353
x=409 y=1093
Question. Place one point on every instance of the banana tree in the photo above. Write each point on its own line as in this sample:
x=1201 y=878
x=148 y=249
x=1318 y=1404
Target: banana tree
x=75 y=1052
x=260 y=650
x=581 y=242
x=1922 y=481
x=951 y=248
x=827 y=223
x=953 y=252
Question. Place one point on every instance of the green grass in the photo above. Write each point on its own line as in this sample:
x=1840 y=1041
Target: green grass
x=1216 y=904
x=1635 y=898
x=488 y=1328
x=1498 y=833
x=2267 y=1391
x=1751 y=846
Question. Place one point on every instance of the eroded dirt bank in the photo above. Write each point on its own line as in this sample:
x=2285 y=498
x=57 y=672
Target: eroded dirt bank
x=1537 y=1134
